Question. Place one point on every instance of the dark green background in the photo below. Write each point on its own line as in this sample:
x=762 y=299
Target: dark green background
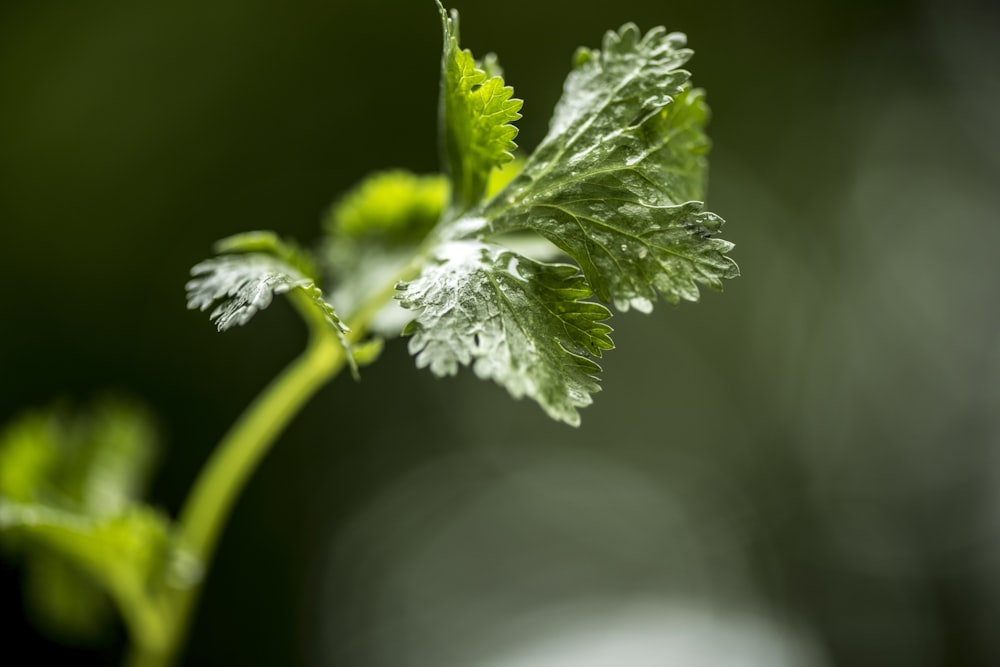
x=824 y=434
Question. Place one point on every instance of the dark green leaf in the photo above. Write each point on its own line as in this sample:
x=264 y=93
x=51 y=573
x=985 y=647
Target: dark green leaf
x=616 y=182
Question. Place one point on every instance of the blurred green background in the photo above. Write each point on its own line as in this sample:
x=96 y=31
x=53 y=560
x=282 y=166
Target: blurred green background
x=800 y=471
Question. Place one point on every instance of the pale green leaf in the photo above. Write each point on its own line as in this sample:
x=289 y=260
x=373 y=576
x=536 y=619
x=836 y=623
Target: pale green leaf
x=369 y=351
x=30 y=450
x=476 y=115
x=69 y=485
x=121 y=549
x=372 y=234
x=391 y=207
x=97 y=459
x=127 y=552
x=516 y=321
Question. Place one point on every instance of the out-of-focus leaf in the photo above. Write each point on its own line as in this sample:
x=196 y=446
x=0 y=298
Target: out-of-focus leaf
x=393 y=207
x=69 y=492
x=372 y=234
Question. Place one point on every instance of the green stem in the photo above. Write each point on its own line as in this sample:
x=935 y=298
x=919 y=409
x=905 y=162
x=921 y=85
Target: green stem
x=222 y=479
x=224 y=476
x=249 y=439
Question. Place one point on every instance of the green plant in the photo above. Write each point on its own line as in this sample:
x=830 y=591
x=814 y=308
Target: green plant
x=502 y=265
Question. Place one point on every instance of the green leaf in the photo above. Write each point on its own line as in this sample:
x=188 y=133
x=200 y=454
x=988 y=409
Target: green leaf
x=616 y=182
x=68 y=499
x=99 y=459
x=121 y=548
x=242 y=284
x=392 y=207
x=271 y=244
x=372 y=234
x=519 y=322
x=476 y=115
x=63 y=601
x=127 y=552
x=29 y=452
x=616 y=185
x=369 y=351
x=500 y=177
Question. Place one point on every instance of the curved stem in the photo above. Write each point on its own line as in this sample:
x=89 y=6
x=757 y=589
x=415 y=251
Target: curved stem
x=224 y=476
x=222 y=479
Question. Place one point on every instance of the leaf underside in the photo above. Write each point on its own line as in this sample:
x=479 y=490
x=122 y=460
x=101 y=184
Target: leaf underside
x=522 y=323
x=244 y=283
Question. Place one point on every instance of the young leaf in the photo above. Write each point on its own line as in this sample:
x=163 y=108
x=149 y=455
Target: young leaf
x=372 y=233
x=242 y=284
x=476 y=116
x=392 y=207
x=269 y=243
x=518 y=322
